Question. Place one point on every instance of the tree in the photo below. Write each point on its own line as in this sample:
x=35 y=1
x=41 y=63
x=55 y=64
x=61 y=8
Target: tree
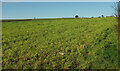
x=118 y=18
x=115 y=8
x=102 y=15
x=76 y=16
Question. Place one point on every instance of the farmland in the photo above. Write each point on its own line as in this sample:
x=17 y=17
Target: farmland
x=89 y=43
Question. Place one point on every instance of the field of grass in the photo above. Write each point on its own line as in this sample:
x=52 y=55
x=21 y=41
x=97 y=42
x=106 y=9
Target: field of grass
x=60 y=43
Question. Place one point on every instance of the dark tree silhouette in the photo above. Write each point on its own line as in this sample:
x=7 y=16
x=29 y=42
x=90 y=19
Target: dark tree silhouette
x=76 y=16
x=102 y=15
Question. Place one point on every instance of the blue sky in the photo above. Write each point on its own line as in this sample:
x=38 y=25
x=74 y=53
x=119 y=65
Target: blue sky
x=16 y=10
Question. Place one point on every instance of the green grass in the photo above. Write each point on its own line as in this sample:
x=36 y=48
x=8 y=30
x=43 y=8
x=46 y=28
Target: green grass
x=60 y=43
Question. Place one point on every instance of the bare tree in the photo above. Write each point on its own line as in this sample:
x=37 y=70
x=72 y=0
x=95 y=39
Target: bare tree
x=118 y=9
x=118 y=17
x=115 y=8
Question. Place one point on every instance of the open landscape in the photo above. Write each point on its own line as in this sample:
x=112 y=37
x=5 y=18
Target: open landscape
x=77 y=43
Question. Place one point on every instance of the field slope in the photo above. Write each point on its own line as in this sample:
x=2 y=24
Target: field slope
x=60 y=43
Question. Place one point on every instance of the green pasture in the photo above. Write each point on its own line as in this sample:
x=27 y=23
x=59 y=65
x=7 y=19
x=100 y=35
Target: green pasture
x=86 y=43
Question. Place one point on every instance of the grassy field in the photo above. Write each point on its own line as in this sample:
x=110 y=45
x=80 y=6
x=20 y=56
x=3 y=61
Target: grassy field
x=60 y=43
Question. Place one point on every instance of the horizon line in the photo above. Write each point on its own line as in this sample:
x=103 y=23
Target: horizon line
x=52 y=17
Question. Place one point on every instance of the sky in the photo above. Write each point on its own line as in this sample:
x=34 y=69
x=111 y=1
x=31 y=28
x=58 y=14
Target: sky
x=22 y=10
x=59 y=0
